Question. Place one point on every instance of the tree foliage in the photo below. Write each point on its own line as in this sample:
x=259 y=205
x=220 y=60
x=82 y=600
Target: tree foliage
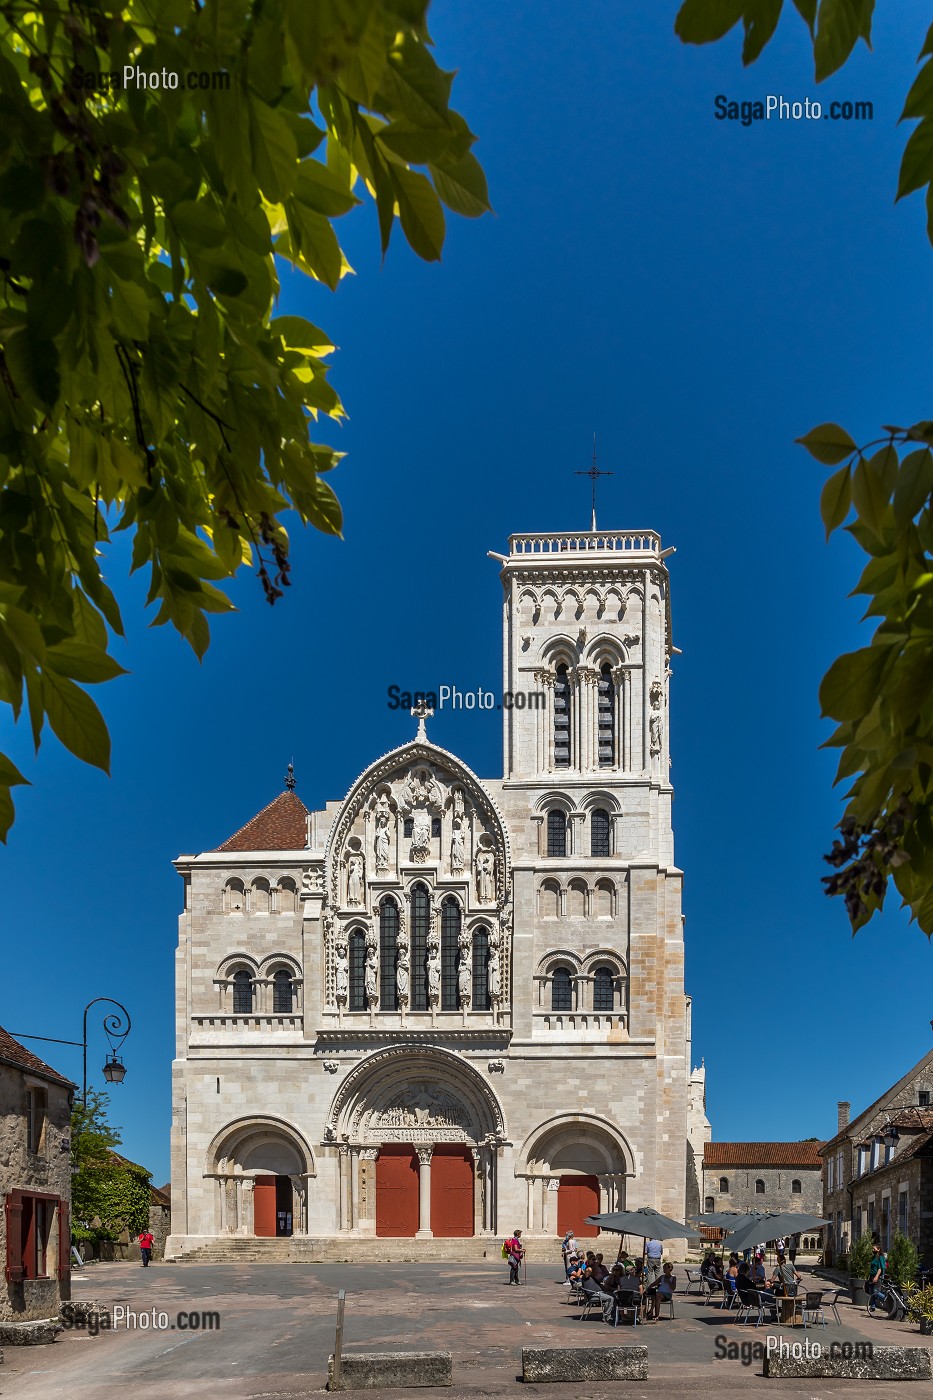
x=147 y=383
x=104 y=1186
x=881 y=695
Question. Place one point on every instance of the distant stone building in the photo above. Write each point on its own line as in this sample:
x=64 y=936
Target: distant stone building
x=442 y=1007
x=878 y=1168
x=762 y=1176
x=35 y=1182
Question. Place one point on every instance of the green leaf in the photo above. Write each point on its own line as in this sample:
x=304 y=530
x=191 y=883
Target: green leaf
x=321 y=189
x=76 y=720
x=840 y=24
x=835 y=499
x=420 y=212
x=461 y=185
x=703 y=21
x=869 y=496
x=919 y=101
x=807 y=11
x=917 y=160
x=761 y=17
x=7 y=813
x=10 y=776
x=313 y=239
x=851 y=685
x=914 y=486
x=81 y=662
x=828 y=443
x=129 y=307
x=275 y=151
x=198 y=221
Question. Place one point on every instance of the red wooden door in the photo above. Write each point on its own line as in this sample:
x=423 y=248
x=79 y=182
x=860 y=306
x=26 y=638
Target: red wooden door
x=577 y=1197
x=397 y=1192
x=264 y=1206
x=452 y=1192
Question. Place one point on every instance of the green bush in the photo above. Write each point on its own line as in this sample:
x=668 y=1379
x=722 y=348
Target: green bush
x=860 y=1257
x=903 y=1260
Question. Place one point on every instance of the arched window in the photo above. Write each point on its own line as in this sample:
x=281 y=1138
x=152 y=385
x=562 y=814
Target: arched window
x=242 y=993
x=556 y=832
x=710 y=1204
x=450 y=953
x=420 y=919
x=603 y=989
x=561 y=995
x=606 y=717
x=759 y=1187
x=480 y=969
x=599 y=832
x=796 y=1187
x=282 y=994
x=388 y=955
x=723 y=1186
x=562 y=717
x=357 y=1001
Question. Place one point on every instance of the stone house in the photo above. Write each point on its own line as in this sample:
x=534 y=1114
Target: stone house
x=35 y=1182
x=442 y=1006
x=897 y=1195
x=762 y=1176
x=859 y=1194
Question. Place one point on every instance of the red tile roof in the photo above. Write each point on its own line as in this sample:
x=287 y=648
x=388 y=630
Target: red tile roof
x=12 y=1053
x=282 y=826
x=762 y=1154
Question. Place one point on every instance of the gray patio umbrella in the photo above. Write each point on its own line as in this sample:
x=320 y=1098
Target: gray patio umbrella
x=769 y=1227
x=646 y=1223
x=726 y=1219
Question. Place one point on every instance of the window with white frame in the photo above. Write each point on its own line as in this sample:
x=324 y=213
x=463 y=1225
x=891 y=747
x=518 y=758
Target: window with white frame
x=830 y=1175
x=902 y=1209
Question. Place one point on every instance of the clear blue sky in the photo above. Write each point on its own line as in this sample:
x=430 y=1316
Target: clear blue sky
x=700 y=294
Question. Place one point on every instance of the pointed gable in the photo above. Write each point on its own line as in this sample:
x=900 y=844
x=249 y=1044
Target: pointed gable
x=282 y=826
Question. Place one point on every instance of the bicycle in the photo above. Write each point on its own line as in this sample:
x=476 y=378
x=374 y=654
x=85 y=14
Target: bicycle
x=886 y=1301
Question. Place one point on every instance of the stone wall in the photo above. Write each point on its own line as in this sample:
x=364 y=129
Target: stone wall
x=778 y=1194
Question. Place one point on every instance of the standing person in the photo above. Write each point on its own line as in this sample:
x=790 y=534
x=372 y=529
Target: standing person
x=146 y=1242
x=653 y=1251
x=792 y=1246
x=876 y=1270
x=569 y=1248
x=514 y=1251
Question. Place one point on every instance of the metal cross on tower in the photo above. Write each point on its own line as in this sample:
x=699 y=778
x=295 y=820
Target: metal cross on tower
x=593 y=473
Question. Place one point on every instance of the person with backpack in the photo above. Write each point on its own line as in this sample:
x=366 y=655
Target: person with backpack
x=876 y=1270
x=514 y=1251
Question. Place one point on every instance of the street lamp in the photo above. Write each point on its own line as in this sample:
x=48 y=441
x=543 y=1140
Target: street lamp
x=117 y=1026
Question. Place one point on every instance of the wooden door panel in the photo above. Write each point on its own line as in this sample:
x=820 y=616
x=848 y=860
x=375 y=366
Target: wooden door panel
x=452 y=1192
x=577 y=1197
x=397 y=1192
x=264 y=1206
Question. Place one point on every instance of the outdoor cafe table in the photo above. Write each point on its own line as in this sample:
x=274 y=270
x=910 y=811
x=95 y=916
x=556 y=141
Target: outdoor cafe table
x=790 y=1308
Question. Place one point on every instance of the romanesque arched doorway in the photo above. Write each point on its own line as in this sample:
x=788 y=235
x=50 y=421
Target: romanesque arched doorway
x=416 y=1130
x=575 y=1166
x=262 y=1167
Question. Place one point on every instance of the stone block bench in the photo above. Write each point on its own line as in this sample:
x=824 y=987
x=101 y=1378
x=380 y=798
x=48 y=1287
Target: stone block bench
x=379 y=1370
x=584 y=1364
x=29 y=1334
x=884 y=1364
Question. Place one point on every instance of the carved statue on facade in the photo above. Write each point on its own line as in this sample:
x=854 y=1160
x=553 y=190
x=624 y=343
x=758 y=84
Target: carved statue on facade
x=486 y=877
x=381 y=843
x=355 y=880
x=457 y=849
x=341 y=972
x=494 y=971
x=654 y=721
x=402 y=975
x=434 y=977
x=464 y=977
x=370 y=973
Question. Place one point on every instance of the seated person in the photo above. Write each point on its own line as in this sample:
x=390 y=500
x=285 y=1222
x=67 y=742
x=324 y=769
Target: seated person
x=757 y=1272
x=664 y=1290
x=785 y=1278
x=708 y=1266
x=629 y=1291
x=600 y=1272
x=592 y=1290
x=575 y=1270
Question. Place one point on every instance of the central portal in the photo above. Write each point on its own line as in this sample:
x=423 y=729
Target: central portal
x=452 y=1192
x=397 y=1192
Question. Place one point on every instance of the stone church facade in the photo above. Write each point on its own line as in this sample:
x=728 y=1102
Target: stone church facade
x=445 y=1007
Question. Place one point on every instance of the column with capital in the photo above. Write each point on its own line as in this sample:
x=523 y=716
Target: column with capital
x=245 y=1216
x=479 y=1173
x=343 y=1175
x=424 y=1193
x=366 y=1212
x=549 y=1211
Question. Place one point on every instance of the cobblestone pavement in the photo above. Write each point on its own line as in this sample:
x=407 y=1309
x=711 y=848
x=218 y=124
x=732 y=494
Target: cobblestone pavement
x=277 y=1330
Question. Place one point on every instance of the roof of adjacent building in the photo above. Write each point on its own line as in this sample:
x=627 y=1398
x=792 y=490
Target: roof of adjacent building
x=854 y=1128
x=282 y=826
x=161 y=1198
x=12 y=1053
x=762 y=1154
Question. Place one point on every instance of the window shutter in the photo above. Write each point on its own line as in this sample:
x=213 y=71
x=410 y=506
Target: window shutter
x=64 y=1240
x=13 y=1209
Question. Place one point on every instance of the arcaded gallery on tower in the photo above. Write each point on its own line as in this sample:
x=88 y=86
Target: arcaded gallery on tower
x=446 y=1006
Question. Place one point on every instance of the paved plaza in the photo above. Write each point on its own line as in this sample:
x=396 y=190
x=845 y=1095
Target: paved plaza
x=277 y=1330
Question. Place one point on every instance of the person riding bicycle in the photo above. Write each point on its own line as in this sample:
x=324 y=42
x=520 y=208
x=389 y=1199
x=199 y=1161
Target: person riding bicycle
x=876 y=1271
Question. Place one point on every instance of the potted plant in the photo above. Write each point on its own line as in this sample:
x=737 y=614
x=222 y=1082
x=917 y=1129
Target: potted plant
x=859 y=1260
x=903 y=1260
x=920 y=1306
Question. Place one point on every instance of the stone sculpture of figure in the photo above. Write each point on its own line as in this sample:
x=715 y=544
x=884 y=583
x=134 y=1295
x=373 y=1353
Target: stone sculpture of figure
x=458 y=804
x=494 y=972
x=485 y=877
x=381 y=843
x=434 y=976
x=370 y=971
x=464 y=978
x=401 y=974
x=457 y=849
x=654 y=733
x=355 y=880
x=341 y=973
x=420 y=834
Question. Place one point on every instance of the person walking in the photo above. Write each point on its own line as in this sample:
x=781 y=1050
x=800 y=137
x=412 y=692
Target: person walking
x=146 y=1242
x=876 y=1270
x=514 y=1251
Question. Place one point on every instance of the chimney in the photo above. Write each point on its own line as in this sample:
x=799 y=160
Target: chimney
x=842 y=1109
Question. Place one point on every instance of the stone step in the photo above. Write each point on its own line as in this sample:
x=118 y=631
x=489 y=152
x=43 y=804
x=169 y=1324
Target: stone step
x=363 y=1250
